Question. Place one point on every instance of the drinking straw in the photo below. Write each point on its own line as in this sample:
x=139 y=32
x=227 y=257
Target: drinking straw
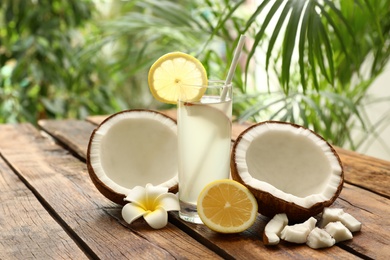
x=233 y=65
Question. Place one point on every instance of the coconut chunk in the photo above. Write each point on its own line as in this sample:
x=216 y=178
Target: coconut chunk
x=274 y=227
x=337 y=214
x=330 y=215
x=338 y=231
x=350 y=222
x=319 y=238
x=298 y=233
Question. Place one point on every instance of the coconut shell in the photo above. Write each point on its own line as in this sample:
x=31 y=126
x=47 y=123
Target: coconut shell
x=268 y=204
x=108 y=192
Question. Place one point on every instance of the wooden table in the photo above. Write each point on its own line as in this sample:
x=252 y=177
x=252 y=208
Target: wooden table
x=51 y=209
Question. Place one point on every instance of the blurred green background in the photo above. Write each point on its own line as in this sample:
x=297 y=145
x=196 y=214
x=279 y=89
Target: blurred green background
x=309 y=62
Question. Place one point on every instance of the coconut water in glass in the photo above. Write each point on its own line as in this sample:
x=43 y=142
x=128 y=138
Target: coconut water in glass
x=204 y=139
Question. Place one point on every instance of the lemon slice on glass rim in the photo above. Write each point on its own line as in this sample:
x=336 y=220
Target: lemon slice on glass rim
x=173 y=70
x=227 y=206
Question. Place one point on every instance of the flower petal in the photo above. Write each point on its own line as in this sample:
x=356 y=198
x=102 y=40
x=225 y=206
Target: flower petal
x=152 y=193
x=131 y=212
x=137 y=195
x=168 y=201
x=162 y=189
x=157 y=219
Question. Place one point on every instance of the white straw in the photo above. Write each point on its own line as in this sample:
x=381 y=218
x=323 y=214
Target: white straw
x=233 y=65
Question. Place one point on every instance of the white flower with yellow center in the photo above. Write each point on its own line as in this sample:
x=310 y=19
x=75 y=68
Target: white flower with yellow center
x=151 y=202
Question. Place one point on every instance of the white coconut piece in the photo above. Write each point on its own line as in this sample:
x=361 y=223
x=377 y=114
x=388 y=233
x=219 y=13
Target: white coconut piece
x=274 y=227
x=319 y=238
x=338 y=231
x=350 y=222
x=288 y=168
x=337 y=214
x=330 y=215
x=298 y=233
x=133 y=148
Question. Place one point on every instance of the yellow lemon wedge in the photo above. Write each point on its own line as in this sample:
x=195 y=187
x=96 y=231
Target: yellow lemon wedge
x=226 y=206
x=171 y=71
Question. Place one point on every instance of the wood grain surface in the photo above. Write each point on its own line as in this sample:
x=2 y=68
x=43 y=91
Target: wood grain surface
x=27 y=230
x=366 y=204
x=50 y=208
x=62 y=184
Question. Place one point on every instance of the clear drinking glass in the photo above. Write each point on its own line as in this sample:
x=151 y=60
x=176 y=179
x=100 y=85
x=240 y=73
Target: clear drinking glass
x=204 y=139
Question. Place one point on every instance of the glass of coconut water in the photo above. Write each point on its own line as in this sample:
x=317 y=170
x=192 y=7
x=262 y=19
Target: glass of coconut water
x=204 y=139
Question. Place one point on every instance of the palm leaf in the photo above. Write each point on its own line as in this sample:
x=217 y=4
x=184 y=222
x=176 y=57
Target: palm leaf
x=260 y=34
x=317 y=28
x=301 y=44
x=336 y=28
x=289 y=41
x=275 y=35
x=329 y=55
x=254 y=16
x=311 y=30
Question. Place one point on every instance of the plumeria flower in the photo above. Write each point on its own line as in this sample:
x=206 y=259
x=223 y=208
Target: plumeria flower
x=151 y=202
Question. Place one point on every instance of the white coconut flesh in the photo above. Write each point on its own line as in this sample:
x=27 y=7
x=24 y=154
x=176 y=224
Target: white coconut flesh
x=133 y=148
x=288 y=161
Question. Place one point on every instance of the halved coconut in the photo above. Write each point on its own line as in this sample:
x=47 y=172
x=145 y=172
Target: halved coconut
x=289 y=169
x=132 y=148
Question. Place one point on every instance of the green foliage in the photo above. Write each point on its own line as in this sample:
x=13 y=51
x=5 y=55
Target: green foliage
x=62 y=59
x=42 y=73
x=317 y=52
x=324 y=86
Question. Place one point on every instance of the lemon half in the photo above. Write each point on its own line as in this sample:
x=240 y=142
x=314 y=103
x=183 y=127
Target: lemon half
x=226 y=206
x=173 y=70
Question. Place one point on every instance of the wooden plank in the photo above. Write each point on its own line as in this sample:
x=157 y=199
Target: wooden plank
x=78 y=130
x=366 y=171
x=27 y=230
x=366 y=244
x=62 y=184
